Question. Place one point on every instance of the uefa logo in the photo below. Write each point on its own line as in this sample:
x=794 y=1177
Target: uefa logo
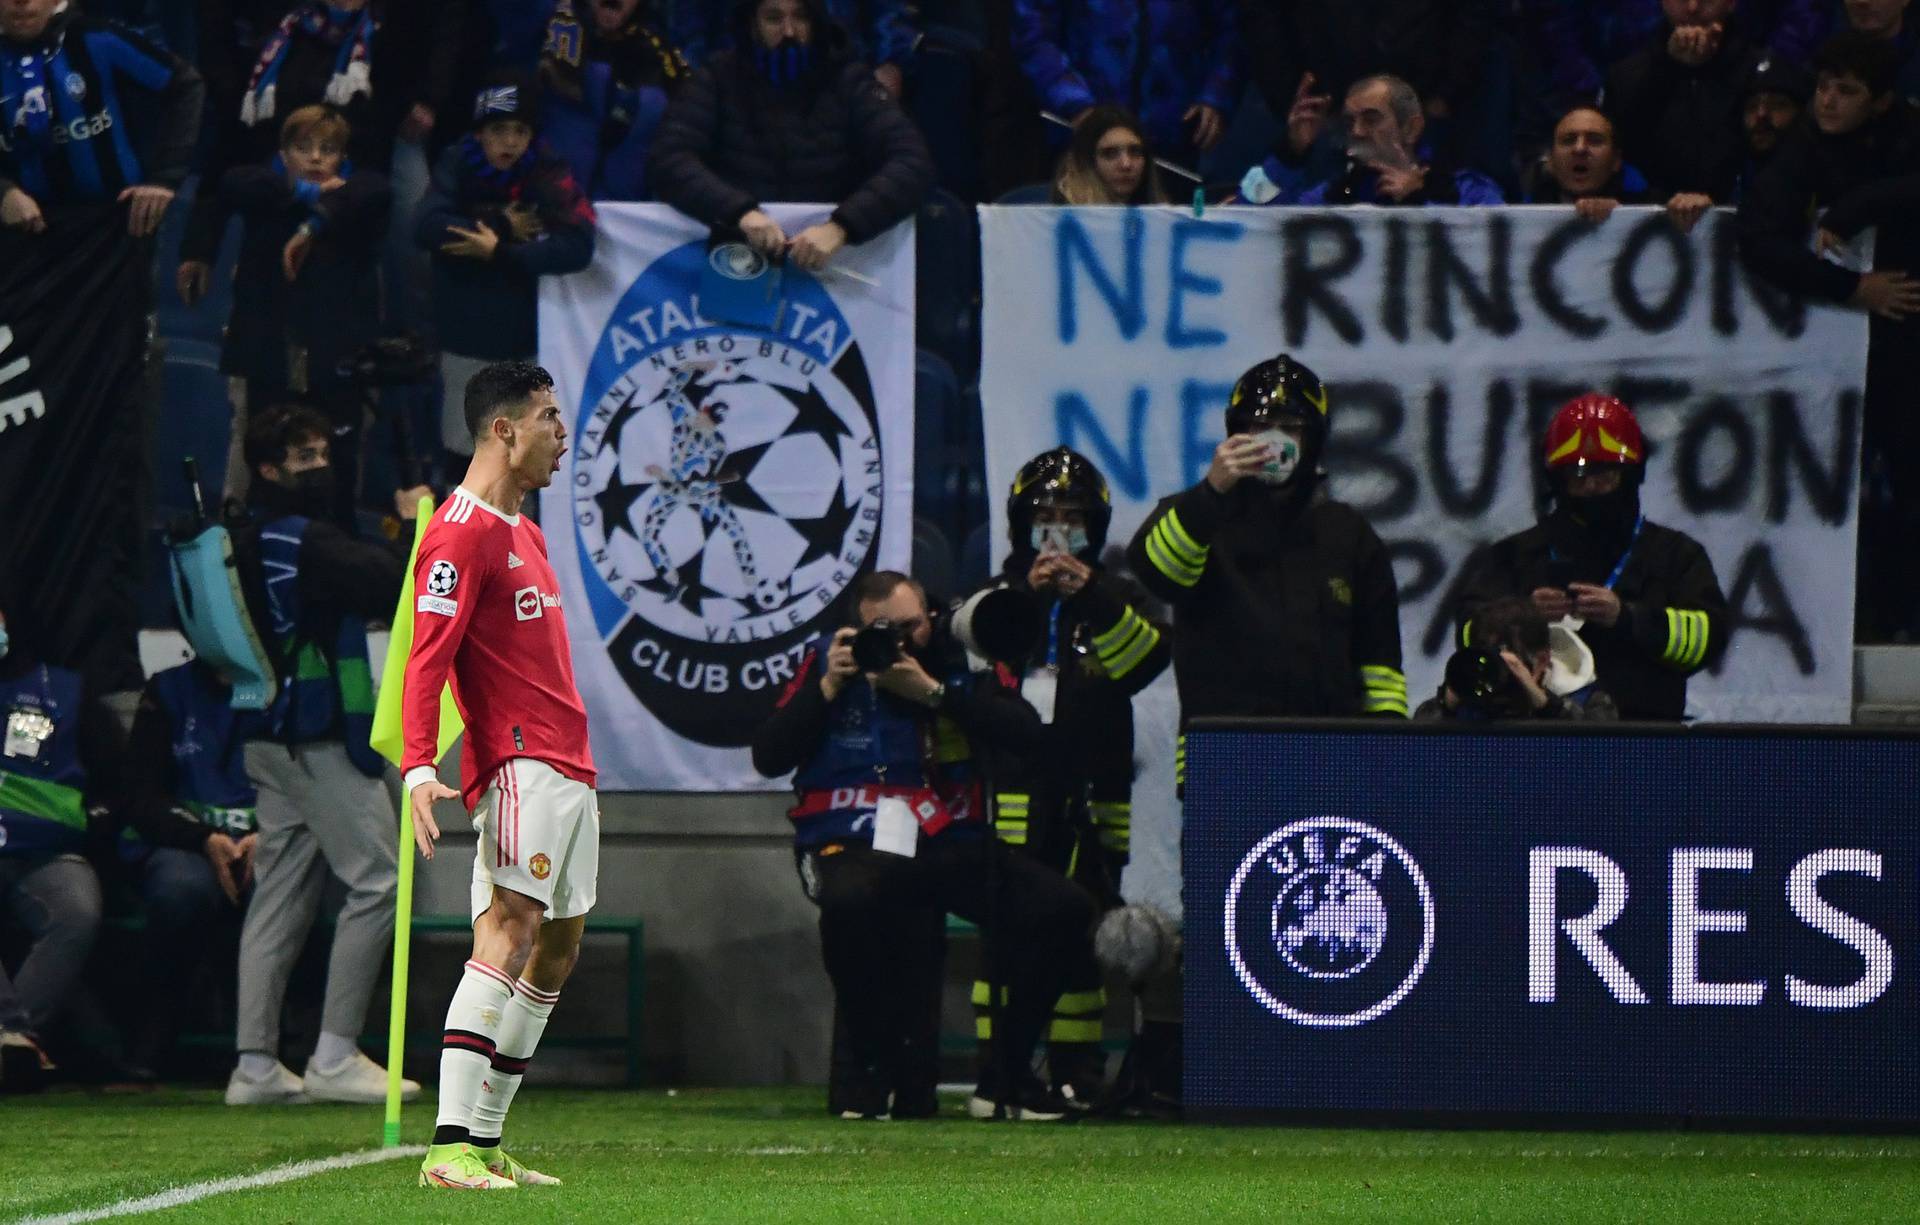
x=1329 y=922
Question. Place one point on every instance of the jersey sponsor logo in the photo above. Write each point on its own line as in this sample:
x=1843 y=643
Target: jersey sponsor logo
x=1329 y=922
x=531 y=602
x=437 y=604
x=443 y=577
x=513 y=560
x=726 y=487
x=84 y=128
x=540 y=866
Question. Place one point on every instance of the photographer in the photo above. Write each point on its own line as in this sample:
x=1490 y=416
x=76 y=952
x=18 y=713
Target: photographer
x=1506 y=671
x=881 y=727
x=1070 y=805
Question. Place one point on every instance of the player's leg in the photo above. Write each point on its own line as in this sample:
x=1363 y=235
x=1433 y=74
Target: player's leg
x=562 y=847
x=534 y=998
x=508 y=907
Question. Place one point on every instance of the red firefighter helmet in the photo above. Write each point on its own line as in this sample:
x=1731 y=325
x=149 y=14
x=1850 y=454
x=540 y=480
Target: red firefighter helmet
x=1594 y=429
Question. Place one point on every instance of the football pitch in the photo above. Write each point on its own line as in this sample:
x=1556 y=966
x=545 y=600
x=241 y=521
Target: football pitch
x=774 y=1156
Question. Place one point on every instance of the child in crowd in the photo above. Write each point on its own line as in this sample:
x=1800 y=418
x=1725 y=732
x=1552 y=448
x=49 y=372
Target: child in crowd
x=503 y=211
x=306 y=292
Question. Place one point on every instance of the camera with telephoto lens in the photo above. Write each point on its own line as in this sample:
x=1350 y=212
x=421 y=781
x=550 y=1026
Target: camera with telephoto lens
x=878 y=646
x=1484 y=684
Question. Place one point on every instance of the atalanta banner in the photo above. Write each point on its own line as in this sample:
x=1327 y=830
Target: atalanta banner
x=73 y=320
x=1448 y=337
x=726 y=481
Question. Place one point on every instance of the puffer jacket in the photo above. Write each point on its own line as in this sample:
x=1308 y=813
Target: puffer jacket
x=1155 y=57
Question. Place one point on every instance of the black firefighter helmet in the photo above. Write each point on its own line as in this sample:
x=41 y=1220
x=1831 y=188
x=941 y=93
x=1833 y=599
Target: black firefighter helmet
x=1063 y=478
x=1277 y=389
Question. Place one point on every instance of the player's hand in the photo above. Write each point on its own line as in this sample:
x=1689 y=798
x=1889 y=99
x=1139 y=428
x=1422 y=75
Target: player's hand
x=1594 y=603
x=840 y=665
x=1536 y=696
x=147 y=204
x=1552 y=602
x=1595 y=209
x=1887 y=292
x=763 y=233
x=223 y=853
x=20 y=211
x=421 y=800
x=478 y=243
x=1686 y=208
x=1236 y=458
x=190 y=280
x=812 y=247
x=243 y=867
x=907 y=679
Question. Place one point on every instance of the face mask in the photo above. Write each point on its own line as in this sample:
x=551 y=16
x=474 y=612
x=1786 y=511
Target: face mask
x=1060 y=538
x=313 y=491
x=786 y=63
x=1286 y=456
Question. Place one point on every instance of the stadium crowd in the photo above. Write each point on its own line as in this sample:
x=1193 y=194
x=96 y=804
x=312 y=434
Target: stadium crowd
x=358 y=199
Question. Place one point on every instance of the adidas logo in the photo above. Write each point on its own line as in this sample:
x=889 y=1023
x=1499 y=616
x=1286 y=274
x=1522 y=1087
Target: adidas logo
x=513 y=563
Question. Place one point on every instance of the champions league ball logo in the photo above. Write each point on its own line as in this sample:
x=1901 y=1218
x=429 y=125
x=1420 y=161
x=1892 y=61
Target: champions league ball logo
x=726 y=489
x=1329 y=922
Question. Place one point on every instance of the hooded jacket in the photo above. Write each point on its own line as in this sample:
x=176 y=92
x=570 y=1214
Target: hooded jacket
x=1682 y=122
x=732 y=140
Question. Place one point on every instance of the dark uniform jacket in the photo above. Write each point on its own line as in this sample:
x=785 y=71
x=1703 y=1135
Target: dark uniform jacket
x=731 y=142
x=1673 y=619
x=1107 y=646
x=1681 y=124
x=1285 y=604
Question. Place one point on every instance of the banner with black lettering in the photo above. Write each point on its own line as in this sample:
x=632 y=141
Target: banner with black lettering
x=725 y=482
x=73 y=324
x=1448 y=337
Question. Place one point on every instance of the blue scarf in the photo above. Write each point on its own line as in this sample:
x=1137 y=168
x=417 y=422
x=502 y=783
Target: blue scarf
x=352 y=67
x=507 y=183
x=23 y=75
x=784 y=64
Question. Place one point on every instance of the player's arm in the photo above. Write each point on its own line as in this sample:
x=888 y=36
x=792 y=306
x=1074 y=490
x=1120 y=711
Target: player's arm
x=442 y=609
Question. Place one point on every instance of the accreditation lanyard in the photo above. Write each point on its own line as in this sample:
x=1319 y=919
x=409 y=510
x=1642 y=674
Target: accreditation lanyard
x=1620 y=567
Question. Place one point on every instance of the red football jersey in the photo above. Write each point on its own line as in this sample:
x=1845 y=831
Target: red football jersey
x=487 y=606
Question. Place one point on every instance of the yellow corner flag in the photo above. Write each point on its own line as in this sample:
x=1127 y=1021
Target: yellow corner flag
x=389 y=736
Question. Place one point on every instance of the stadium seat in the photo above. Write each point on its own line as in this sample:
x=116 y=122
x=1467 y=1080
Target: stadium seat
x=1029 y=193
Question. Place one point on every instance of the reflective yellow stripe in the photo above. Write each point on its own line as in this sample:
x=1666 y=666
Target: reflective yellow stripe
x=1178 y=537
x=983 y=1027
x=1385 y=689
x=1163 y=561
x=1191 y=556
x=1688 y=631
x=1074 y=1031
x=981 y=991
x=1113 y=638
x=1466 y=631
x=1073 y=1002
x=1180 y=761
x=1143 y=644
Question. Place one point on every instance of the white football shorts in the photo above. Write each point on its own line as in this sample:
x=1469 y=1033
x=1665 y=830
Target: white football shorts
x=540 y=836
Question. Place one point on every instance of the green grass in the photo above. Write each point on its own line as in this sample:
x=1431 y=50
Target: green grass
x=773 y=1156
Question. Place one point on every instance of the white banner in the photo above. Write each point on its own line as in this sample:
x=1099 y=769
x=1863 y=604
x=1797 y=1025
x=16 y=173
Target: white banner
x=1448 y=338
x=725 y=483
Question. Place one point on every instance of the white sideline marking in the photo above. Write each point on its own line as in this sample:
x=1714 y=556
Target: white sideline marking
x=177 y=1196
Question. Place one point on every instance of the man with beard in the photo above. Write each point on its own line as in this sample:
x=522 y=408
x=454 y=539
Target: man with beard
x=890 y=835
x=1382 y=160
x=1776 y=94
x=1644 y=598
x=1284 y=599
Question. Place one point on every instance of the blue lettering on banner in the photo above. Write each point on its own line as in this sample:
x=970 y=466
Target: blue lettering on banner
x=1183 y=280
x=1128 y=472
x=1129 y=307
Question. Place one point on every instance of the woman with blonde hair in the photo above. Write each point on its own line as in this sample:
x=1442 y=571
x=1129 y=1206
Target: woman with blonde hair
x=1108 y=162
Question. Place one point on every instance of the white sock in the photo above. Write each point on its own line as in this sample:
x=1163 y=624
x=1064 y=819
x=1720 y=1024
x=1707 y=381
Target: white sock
x=474 y=1019
x=526 y=1020
x=257 y=1065
x=332 y=1050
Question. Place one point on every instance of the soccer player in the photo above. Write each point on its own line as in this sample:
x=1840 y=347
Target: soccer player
x=488 y=608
